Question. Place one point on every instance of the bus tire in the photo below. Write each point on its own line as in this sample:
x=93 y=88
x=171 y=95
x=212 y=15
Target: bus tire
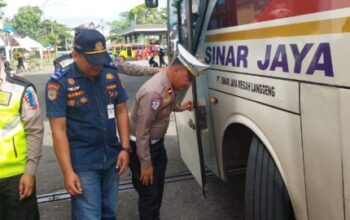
x=266 y=196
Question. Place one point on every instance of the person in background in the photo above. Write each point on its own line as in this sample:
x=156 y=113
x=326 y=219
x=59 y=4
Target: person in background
x=20 y=62
x=149 y=121
x=152 y=62
x=22 y=132
x=86 y=107
x=7 y=65
x=161 y=58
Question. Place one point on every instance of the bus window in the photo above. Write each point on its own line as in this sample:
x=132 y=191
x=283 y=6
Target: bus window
x=224 y=15
x=229 y=13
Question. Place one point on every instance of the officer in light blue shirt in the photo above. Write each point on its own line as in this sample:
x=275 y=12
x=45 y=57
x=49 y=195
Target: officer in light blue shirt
x=86 y=106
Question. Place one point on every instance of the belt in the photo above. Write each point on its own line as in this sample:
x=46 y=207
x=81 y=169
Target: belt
x=152 y=141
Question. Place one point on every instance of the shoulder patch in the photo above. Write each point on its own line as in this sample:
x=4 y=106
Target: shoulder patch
x=31 y=99
x=155 y=103
x=59 y=72
x=52 y=91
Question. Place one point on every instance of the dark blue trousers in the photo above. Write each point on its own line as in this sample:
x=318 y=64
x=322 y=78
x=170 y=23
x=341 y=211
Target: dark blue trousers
x=150 y=197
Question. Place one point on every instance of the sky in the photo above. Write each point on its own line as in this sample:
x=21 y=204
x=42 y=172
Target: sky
x=76 y=12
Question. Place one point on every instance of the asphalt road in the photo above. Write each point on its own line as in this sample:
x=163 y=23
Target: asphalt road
x=183 y=197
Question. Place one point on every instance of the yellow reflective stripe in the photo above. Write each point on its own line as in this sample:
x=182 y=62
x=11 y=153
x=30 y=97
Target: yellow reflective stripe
x=329 y=26
x=11 y=127
x=96 y=51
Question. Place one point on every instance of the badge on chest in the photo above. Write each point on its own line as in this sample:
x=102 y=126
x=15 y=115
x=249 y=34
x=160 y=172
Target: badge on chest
x=111 y=90
x=5 y=98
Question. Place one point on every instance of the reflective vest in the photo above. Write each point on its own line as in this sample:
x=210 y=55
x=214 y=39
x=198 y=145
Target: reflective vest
x=13 y=141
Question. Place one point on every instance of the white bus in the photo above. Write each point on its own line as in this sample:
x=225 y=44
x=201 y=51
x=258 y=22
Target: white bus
x=276 y=101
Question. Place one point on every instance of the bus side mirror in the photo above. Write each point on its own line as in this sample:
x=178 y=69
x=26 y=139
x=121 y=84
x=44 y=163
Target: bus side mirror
x=151 y=3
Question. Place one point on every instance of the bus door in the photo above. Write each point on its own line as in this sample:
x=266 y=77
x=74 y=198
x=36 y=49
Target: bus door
x=193 y=128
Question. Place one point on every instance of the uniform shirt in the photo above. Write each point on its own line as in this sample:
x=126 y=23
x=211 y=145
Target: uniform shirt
x=151 y=114
x=87 y=106
x=134 y=69
x=33 y=126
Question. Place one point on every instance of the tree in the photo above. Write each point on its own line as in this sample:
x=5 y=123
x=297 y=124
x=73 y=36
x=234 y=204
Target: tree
x=117 y=26
x=138 y=15
x=27 y=21
x=54 y=33
x=2 y=4
x=142 y=15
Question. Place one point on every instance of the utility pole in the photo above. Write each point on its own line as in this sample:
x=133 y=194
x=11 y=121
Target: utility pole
x=45 y=33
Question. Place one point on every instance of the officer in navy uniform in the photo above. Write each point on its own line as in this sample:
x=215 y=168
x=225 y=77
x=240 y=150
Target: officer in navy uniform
x=86 y=106
x=149 y=120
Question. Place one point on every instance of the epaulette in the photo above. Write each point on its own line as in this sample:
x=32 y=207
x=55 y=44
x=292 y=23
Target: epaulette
x=59 y=72
x=18 y=80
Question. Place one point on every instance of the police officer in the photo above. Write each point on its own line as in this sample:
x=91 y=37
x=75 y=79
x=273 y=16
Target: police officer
x=21 y=132
x=86 y=106
x=149 y=122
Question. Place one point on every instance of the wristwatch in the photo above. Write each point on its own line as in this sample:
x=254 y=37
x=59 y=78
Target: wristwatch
x=127 y=149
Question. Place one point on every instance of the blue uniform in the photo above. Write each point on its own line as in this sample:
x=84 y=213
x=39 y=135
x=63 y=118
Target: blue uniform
x=88 y=108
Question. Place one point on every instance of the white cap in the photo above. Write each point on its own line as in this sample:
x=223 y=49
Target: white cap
x=190 y=62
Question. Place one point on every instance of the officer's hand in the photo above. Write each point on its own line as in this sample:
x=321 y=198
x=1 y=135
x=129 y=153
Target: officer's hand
x=187 y=106
x=26 y=186
x=72 y=184
x=147 y=176
x=123 y=162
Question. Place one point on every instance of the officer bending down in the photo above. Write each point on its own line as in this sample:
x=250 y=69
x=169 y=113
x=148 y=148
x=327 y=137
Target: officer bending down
x=149 y=122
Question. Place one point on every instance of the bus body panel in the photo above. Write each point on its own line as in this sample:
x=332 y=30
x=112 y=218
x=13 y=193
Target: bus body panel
x=345 y=141
x=272 y=48
x=207 y=137
x=277 y=93
x=188 y=141
x=280 y=133
x=322 y=120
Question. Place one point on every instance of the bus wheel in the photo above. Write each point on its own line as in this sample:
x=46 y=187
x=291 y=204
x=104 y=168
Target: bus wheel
x=266 y=196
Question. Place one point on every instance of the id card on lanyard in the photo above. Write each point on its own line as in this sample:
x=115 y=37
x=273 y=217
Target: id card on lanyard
x=110 y=110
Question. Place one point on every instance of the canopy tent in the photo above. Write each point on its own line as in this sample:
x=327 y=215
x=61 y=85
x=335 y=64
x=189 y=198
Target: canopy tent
x=27 y=43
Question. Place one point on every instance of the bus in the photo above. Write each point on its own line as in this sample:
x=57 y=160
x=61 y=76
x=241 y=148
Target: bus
x=126 y=51
x=275 y=101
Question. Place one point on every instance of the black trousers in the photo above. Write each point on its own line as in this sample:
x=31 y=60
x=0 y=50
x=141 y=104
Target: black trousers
x=150 y=197
x=10 y=205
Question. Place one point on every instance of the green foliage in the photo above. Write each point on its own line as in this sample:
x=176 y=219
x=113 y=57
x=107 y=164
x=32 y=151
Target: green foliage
x=142 y=15
x=27 y=21
x=54 y=33
x=138 y=15
x=2 y=4
x=117 y=26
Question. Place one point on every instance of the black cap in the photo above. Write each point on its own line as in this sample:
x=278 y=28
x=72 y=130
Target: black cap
x=92 y=45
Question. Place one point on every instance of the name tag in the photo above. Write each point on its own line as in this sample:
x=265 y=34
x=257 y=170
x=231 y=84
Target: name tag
x=5 y=98
x=110 y=110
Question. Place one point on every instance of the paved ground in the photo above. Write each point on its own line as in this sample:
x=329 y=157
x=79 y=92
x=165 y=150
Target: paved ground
x=183 y=199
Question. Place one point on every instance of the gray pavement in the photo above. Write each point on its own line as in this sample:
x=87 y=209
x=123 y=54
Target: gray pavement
x=182 y=199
